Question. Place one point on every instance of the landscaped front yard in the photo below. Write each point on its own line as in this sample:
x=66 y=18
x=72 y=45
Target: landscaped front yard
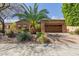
x=31 y=35
x=68 y=45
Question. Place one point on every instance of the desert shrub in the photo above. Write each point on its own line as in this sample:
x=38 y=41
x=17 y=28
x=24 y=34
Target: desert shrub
x=19 y=30
x=76 y=31
x=24 y=36
x=40 y=37
x=1 y=31
x=24 y=29
x=13 y=27
x=10 y=34
x=37 y=27
x=71 y=33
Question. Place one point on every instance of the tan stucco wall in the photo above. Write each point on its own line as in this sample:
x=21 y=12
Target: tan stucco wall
x=72 y=28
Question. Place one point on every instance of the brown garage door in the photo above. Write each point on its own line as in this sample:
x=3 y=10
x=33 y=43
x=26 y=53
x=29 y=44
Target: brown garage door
x=53 y=28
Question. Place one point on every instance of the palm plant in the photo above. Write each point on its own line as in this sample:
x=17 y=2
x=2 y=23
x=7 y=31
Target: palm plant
x=32 y=15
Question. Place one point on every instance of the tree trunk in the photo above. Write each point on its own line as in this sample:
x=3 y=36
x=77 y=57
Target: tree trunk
x=29 y=27
x=32 y=29
x=3 y=28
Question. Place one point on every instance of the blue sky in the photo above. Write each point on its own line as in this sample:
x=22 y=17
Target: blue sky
x=55 y=9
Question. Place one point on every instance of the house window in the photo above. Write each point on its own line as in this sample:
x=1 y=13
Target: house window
x=25 y=26
x=19 y=26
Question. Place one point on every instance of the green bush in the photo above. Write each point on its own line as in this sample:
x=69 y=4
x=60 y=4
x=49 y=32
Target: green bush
x=11 y=34
x=24 y=29
x=37 y=27
x=77 y=31
x=71 y=33
x=24 y=36
x=40 y=37
x=71 y=13
x=1 y=31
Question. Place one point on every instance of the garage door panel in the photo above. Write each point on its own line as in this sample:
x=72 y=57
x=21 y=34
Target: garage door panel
x=53 y=28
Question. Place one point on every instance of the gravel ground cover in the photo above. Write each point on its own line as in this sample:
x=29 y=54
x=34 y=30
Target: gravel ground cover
x=57 y=48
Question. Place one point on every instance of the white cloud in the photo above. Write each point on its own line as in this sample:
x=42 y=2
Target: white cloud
x=54 y=17
x=10 y=20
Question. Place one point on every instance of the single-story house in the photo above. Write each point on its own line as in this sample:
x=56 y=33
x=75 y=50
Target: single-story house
x=22 y=24
x=50 y=26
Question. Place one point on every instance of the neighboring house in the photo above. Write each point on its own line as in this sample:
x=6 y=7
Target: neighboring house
x=7 y=25
x=51 y=26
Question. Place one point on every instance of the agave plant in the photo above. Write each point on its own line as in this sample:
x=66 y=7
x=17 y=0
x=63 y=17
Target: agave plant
x=32 y=15
x=40 y=37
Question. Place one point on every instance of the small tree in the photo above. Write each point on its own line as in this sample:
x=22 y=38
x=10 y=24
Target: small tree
x=6 y=12
x=13 y=27
x=3 y=6
x=71 y=13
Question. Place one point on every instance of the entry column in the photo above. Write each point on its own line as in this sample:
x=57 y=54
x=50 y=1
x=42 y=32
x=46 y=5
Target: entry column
x=42 y=26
